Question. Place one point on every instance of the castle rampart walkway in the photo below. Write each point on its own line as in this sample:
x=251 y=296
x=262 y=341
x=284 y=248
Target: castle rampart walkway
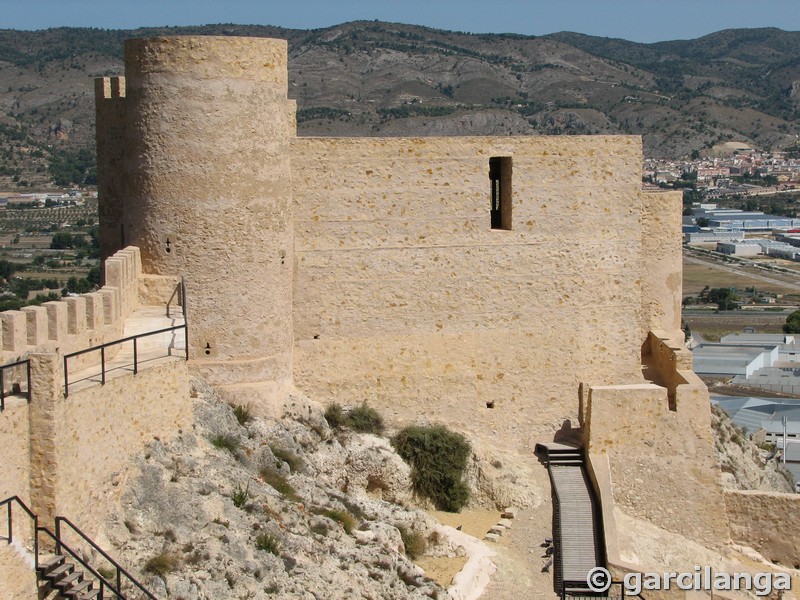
x=150 y=350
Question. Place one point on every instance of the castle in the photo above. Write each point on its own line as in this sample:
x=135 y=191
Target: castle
x=499 y=284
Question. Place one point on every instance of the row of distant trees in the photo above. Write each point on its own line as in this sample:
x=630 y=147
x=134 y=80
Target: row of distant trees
x=724 y=298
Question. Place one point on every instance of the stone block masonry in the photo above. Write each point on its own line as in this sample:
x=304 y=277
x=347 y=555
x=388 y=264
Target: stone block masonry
x=767 y=522
x=404 y=294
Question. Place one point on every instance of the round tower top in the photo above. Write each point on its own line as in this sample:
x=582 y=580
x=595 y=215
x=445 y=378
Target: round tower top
x=209 y=57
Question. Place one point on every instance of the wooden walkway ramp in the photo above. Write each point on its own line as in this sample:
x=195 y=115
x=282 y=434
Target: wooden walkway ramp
x=577 y=530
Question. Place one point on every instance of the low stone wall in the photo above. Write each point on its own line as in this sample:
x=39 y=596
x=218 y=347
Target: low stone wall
x=768 y=522
x=634 y=427
x=98 y=428
x=14 y=451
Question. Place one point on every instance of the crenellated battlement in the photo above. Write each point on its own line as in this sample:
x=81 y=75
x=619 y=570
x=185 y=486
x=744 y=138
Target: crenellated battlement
x=109 y=88
x=76 y=322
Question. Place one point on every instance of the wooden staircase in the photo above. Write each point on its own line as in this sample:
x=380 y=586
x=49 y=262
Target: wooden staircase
x=69 y=582
x=66 y=573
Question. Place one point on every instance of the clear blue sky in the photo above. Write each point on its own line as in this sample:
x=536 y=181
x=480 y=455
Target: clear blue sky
x=637 y=20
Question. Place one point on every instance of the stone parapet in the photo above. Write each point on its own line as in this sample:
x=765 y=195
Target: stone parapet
x=76 y=322
x=633 y=426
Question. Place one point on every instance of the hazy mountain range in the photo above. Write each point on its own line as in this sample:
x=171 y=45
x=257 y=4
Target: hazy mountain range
x=376 y=79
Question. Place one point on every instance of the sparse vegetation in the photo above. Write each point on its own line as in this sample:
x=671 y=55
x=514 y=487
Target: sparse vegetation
x=344 y=518
x=240 y=495
x=267 y=542
x=363 y=418
x=413 y=541
x=242 y=414
x=335 y=417
x=162 y=564
x=438 y=459
x=225 y=442
x=279 y=483
x=290 y=458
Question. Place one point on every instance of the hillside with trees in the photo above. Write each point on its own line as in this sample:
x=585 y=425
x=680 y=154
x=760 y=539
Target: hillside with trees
x=384 y=79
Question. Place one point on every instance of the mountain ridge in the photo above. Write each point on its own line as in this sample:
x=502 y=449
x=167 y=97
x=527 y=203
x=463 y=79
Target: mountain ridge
x=369 y=78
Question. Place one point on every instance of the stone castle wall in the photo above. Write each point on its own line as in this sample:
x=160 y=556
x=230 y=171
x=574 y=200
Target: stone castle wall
x=401 y=293
x=662 y=249
x=96 y=434
x=15 y=467
x=59 y=454
x=405 y=296
x=768 y=522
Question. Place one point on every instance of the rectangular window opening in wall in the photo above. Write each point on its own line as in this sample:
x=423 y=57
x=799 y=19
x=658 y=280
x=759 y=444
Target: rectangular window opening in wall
x=500 y=179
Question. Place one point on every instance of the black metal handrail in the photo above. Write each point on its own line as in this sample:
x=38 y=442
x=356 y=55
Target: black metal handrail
x=102 y=349
x=10 y=521
x=3 y=369
x=120 y=571
x=180 y=293
x=575 y=590
x=61 y=547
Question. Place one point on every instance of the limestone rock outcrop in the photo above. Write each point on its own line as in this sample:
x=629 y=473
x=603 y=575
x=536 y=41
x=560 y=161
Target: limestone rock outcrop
x=282 y=506
x=743 y=464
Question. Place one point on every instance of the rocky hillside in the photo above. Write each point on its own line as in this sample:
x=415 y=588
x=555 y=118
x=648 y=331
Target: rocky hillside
x=743 y=464
x=246 y=508
x=372 y=78
x=241 y=507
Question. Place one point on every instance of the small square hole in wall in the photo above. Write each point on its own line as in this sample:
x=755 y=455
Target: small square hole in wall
x=490 y=404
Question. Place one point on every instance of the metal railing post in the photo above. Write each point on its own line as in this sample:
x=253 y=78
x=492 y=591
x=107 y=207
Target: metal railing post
x=66 y=378
x=103 y=365
x=58 y=536
x=28 y=364
x=2 y=391
x=135 y=358
x=10 y=524
x=36 y=541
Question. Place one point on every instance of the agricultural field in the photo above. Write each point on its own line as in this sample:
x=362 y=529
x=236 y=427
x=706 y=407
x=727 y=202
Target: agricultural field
x=47 y=252
x=769 y=289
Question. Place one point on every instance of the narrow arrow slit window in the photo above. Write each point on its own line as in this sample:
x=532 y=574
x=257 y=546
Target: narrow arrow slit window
x=500 y=179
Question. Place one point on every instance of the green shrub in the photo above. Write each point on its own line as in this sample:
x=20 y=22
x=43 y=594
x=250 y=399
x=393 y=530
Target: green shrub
x=242 y=414
x=240 y=495
x=347 y=521
x=335 y=416
x=225 y=442
x=438 y=458
x=279 y=483
x=365 y=419
x=268 y=543
x=161 y=564
x=413 y=541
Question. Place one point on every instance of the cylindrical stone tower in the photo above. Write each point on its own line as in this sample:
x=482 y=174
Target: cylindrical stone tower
x=209 y=195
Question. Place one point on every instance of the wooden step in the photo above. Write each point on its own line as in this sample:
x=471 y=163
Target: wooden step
x=59 y=572
x=78 y=589
x=89 y=595
x=69 y=580
x=50 y=564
